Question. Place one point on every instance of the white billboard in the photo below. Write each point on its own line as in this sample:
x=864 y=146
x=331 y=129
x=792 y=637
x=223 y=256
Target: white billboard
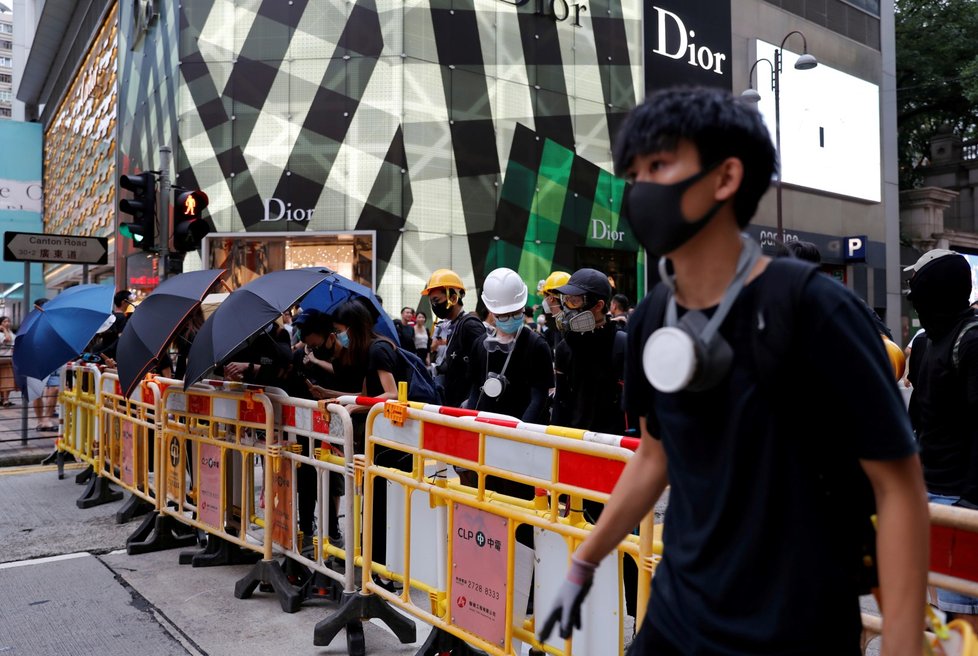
x=830 y=126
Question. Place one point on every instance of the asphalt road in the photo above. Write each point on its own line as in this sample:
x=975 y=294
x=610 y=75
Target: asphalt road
x=68 y=587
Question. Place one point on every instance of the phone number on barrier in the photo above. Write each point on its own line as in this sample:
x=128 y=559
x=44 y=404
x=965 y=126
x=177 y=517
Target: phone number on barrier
x=478 y=587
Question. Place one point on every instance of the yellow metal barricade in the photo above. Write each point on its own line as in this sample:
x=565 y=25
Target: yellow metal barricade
x=477 y=581
x=80 y=410
x=218 y=458
x=328 y=436
x=129 y=428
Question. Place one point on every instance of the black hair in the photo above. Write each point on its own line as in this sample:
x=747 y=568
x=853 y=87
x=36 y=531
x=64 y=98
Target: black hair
x=121 y=296
x=359 y=324
x=40 y=302
x=314 y=321
x=407 y=307
x=719 y=125
x=621 y=300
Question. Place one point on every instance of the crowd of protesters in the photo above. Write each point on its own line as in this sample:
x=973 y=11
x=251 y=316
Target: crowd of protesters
x=781 y=408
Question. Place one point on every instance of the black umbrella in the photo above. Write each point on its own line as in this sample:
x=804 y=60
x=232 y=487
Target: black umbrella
x=244 y=313
x=156 y=320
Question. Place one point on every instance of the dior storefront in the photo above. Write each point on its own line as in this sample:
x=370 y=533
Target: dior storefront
x=387 y=139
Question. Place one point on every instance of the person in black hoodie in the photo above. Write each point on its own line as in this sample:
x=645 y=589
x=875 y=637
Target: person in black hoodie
x=945 y=391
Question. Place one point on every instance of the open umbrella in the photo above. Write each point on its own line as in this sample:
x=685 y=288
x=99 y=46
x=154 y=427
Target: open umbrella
x=244 y=313
x=156 y=320
x=336 y=290
x=58 y=332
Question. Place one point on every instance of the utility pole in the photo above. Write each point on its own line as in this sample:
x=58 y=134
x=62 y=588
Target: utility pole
x=164 y=211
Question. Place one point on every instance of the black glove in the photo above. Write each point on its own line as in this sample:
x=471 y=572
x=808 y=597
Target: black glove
x=570 y=597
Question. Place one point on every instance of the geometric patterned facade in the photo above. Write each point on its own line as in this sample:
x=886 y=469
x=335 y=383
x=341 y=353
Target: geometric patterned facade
x=399 y=117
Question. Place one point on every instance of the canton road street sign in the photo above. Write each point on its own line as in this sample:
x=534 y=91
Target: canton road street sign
x=58 y=249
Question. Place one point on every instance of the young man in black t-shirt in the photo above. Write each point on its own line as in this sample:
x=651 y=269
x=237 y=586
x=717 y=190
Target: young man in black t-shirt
x=754 y=558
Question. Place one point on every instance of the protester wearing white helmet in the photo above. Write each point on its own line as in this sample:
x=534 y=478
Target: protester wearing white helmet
x=511 y=368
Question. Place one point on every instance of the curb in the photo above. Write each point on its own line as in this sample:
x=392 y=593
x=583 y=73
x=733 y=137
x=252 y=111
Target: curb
x=23 y=458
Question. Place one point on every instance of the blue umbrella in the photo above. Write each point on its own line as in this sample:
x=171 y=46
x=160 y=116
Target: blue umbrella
x=58 y=332
x=335 y=290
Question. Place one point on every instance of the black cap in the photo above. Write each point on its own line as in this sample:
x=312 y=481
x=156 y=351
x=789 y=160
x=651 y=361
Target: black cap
x=587 y=281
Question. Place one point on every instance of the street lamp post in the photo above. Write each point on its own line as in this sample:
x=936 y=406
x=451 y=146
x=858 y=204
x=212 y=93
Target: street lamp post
x=805 y=62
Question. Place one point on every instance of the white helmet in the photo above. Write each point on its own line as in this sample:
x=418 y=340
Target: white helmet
x=504 y=291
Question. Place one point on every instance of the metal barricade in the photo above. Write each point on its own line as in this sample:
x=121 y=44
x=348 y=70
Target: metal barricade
x=79 y=409
x=474 y=580
x=129 y=429
x=328 y=436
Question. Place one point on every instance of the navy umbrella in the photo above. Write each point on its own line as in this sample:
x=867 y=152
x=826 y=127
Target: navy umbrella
x=156 y=320
x=336 y=290
x=245 y=312
x=54 y=334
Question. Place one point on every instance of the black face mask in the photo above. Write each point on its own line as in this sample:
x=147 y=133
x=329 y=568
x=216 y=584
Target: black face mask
x=441 y=310
x=656 y=216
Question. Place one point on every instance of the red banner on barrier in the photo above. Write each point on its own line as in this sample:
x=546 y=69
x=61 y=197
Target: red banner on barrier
x=479 y=555
x=954 y=552
x=209 y=504
x=451 y=441
x=198 y=405
x=588 y=472
x=251 y=411
x=320 y=421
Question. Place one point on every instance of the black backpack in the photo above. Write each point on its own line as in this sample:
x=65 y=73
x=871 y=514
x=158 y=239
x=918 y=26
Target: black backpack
x=421 y=386
x=778 y=303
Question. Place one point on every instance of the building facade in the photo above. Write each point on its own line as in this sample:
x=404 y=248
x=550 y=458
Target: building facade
x=6 y=63
x=389 y=139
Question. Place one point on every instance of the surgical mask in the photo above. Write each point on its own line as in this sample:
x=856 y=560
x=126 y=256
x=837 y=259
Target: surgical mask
x=577 y=321
x=510 y=326
x=343 y=339
x=656 y=216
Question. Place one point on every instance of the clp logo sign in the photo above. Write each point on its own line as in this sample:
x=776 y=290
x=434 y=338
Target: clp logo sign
x=855 y=250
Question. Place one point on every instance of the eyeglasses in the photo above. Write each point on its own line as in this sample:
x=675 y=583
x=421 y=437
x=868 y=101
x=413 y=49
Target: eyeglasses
x=572 y=301
x=511 y=315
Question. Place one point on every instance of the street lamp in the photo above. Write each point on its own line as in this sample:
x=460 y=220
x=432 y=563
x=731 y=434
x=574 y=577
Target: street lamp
x=805 y=62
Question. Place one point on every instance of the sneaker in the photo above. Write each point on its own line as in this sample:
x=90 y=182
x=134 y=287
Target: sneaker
x=336 y=540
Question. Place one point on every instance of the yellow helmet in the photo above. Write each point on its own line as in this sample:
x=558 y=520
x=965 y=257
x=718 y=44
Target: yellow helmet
x=898 y=360
x=443 y=278
x=553 y=281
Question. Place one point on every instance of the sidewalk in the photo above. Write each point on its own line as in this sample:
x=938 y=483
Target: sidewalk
x=13 y=449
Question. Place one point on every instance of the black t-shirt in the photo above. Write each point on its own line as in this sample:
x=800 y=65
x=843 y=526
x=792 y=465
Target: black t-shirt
x=382 y=357
x=454 y=371
x=530 y=368
x=943 y=407
x=757 y=556
x=588 y=392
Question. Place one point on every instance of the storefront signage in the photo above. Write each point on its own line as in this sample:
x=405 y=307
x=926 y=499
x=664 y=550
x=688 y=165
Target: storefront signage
x=600 y=230
x=687 y=42
x=20 y=196
x=277 y=209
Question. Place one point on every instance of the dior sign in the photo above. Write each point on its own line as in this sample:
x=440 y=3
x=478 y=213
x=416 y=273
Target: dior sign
x=277 y=209
x=688 y=42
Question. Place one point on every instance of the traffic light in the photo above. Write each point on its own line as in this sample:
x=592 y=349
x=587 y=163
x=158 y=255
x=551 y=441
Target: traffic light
x=142 y=208
x=188 y=226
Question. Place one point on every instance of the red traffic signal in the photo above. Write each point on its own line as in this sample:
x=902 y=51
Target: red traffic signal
x=188 y=226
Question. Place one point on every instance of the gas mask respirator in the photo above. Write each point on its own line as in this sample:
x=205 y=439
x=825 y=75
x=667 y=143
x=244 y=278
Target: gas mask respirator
x=689 y=353
x=576 y=321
